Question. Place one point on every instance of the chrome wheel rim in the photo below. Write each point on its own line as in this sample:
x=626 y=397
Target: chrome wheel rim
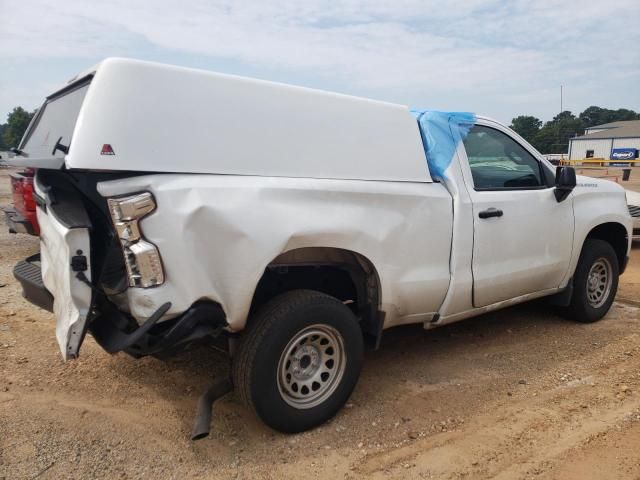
x=311 y=366
x=599 y=281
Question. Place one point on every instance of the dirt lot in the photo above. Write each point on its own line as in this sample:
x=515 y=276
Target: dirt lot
x=519 y=393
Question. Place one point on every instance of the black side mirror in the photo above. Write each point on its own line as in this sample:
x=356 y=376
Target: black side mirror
x=565 y=182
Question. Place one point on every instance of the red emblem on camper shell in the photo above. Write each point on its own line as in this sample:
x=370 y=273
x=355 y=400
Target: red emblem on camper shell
x=107 y=150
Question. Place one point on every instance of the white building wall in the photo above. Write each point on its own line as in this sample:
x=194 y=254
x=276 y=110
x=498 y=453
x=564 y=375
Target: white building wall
x=626 y=143
x=578 y=148
x=601 y=146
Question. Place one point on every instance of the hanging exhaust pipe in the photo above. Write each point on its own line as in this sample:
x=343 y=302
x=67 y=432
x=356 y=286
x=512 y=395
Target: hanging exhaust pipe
x=202 y=424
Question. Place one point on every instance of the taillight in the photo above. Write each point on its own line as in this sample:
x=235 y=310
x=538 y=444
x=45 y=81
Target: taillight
x=142 y=258
x=27 y=194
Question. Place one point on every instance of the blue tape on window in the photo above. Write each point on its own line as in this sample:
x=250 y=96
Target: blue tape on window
x=438 y=131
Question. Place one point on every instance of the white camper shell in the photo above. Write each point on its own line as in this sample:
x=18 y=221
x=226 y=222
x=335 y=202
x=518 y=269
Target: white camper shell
x=191 y=121
x=178 y=205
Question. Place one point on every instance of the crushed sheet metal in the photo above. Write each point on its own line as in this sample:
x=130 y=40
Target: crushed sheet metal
x=72 y=297
x=217 y=233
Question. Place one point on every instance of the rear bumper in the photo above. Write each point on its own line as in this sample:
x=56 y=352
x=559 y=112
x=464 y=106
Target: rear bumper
x=111 y=328
x=28 y=273
x=17 y=223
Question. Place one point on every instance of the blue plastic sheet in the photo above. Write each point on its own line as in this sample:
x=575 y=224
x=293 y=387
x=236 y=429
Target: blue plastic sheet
x=441 y=132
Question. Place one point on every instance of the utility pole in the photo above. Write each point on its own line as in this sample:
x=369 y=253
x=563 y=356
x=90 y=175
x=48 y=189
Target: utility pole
x=560 y=120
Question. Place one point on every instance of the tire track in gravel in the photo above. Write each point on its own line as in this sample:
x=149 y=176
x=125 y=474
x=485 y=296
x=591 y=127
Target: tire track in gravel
x=527 y=437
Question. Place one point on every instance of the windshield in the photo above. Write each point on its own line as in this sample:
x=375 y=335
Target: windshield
x=54 y=122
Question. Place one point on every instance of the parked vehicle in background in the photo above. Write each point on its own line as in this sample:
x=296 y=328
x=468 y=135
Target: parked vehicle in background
x=633 y=203
x=21 y=217
x=555 y=158
x=5 y=156
x=297 y=223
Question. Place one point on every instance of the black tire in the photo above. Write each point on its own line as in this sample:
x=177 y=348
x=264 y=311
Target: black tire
x=581 y=309
x=260 y=362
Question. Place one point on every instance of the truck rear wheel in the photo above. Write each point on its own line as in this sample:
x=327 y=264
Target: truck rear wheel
x=595 y=282
x=298 y=360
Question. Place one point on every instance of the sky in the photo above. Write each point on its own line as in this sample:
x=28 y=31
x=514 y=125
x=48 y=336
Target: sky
x=492 y=57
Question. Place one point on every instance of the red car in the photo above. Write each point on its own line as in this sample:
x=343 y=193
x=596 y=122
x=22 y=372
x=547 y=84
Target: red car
x=21 y=218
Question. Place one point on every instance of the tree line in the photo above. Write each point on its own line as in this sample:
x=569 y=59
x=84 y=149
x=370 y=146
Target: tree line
x=11 y=132
x=553 y=136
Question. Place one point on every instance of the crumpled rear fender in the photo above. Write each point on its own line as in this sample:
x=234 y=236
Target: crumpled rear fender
x=217 y=234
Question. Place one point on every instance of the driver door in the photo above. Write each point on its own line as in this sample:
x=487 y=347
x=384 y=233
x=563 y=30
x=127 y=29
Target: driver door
x=523 y=237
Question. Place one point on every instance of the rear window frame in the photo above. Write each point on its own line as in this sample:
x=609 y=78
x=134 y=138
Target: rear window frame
x=72 y=87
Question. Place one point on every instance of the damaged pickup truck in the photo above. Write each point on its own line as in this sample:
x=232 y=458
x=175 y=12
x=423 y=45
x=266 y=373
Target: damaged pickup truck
x=178 y=205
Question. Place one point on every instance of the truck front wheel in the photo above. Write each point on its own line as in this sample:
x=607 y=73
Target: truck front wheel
x=298 y=360
x=595 y=282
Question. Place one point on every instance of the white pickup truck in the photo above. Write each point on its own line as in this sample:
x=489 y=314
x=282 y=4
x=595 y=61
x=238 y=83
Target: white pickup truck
x=178 y=205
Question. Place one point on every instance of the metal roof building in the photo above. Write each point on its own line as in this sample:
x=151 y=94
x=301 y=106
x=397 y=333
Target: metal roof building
x=606 y=141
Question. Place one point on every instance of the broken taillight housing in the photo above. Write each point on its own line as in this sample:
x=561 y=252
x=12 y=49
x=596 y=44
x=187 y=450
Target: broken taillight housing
x=142 y=258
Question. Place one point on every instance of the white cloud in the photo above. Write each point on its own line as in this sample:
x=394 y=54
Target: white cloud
x=404 y=49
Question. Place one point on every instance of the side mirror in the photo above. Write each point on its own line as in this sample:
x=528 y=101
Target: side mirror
x=565 y=182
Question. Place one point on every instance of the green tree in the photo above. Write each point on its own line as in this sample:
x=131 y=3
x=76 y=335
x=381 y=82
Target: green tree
x=17 y=122
x=545 y=140
x=526 y=126
x=554 y=136
x=593 y=116
x=623 y=114
x=3 y=147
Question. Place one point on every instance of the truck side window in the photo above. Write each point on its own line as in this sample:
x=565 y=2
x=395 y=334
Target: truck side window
x=499 y=162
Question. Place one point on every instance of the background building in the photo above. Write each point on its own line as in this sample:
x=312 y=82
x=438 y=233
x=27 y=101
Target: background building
x=601 y=140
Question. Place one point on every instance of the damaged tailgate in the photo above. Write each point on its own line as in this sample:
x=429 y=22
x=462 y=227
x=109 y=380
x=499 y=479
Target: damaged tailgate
x=65 y=260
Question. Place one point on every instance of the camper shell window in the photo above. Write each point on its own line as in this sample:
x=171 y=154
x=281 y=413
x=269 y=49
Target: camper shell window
x=55 y=121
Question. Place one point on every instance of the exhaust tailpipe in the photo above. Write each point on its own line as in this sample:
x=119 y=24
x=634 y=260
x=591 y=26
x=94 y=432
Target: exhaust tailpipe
x=202 y=424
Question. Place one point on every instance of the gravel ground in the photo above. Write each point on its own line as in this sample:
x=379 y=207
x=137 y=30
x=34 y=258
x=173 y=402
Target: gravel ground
x=519 y=393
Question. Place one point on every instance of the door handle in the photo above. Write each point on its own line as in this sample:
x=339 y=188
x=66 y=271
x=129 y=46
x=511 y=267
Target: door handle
x=490 y=212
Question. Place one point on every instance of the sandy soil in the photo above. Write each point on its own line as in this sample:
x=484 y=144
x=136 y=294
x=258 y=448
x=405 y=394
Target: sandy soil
x=514 y=394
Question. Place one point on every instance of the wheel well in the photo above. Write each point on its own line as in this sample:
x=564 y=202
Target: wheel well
x=616 y=235
x=343 y=274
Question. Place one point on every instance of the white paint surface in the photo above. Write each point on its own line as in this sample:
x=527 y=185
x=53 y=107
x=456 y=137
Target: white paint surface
x=160 y=118
x=217 y=233
x=261 y=169
x=72 y=298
